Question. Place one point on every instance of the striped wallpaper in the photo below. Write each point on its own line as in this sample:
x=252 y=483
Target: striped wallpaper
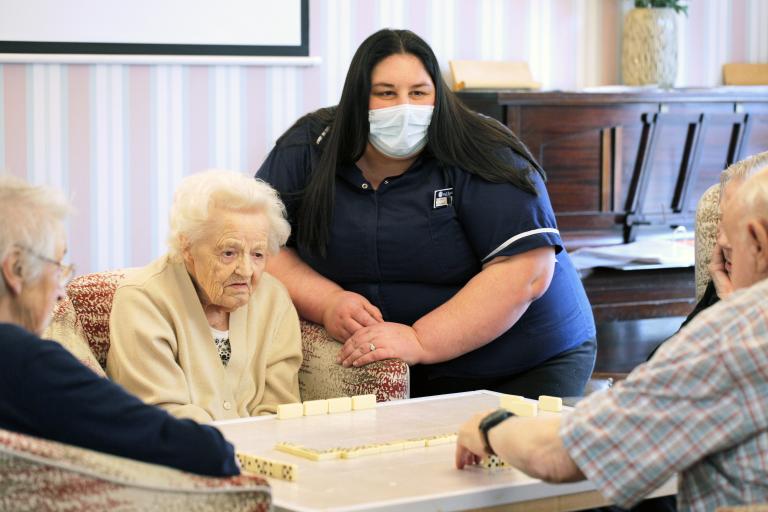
x=118 y=138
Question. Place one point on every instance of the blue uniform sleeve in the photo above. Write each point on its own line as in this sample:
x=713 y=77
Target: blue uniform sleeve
x=501 y=219
x=48 y=393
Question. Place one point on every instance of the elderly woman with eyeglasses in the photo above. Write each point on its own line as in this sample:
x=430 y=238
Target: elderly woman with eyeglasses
x=45 y=391
x=203 y=331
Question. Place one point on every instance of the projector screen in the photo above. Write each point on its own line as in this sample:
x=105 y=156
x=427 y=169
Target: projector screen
x=156 y=27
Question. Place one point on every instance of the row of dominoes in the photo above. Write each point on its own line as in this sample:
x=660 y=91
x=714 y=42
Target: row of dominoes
x=522 y=406
x=329 y=406
x=267 y=467
x=353 y=452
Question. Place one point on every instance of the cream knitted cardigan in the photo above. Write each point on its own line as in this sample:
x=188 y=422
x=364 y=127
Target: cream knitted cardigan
x=162 y=349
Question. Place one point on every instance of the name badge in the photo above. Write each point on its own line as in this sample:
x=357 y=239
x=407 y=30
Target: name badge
x=442 y=198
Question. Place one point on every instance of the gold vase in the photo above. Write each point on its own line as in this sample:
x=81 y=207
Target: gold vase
x=649 y=48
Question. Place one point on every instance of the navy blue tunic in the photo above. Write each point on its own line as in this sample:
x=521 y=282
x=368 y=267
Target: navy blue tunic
x=46 y=392
x=409 y=246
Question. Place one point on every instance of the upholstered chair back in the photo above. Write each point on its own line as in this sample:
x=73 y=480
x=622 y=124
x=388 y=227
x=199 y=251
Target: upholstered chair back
x=707 y=217
x=37 y=474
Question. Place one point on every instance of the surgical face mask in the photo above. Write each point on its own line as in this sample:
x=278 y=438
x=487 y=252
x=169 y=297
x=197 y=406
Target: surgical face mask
x=400 y=131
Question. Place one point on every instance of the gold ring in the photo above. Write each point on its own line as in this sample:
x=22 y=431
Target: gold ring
x=372 y=346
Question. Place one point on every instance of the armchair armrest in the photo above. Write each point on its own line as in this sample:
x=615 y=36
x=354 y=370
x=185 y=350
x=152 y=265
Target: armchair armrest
x=321 y=377
x=37 y=474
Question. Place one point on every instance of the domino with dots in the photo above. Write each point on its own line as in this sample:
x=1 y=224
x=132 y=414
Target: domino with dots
x=267 y=467
x=492 y=462
x=285 y=472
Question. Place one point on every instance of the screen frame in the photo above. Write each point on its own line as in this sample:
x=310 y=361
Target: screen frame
x=95 y=48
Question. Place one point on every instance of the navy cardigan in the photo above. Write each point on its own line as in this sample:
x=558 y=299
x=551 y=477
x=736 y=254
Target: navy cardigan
x=46 y=392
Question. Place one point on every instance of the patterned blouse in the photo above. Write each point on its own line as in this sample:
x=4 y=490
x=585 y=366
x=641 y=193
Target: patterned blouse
x=221 y=339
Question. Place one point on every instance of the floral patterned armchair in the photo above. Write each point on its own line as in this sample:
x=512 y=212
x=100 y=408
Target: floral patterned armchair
x=707 y=216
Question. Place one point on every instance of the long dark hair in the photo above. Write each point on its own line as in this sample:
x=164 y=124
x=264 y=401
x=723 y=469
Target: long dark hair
x=456 y=137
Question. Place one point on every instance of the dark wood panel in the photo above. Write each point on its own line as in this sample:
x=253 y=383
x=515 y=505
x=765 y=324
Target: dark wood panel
x=629 y=295
x=568 y=142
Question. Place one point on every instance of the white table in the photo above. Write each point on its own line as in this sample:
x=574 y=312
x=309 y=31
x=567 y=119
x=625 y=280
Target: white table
x=416 y=479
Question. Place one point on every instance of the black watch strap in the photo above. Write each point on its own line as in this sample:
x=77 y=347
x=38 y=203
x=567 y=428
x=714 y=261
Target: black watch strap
x=490 y=421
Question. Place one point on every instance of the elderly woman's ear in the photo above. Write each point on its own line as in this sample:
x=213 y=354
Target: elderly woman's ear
x=186 y=245
x=12 y=272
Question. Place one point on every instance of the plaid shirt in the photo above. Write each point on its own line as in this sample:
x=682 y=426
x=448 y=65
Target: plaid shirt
x=698 y=408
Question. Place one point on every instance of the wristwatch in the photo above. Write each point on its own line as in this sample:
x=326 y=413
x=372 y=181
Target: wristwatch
x=490 y=421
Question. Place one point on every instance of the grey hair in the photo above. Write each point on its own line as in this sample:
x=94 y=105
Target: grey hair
x=199 y=193
x=31 y=216
x=743 y=169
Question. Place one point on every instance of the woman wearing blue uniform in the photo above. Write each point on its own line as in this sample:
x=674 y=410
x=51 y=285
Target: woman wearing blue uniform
x=423 y=231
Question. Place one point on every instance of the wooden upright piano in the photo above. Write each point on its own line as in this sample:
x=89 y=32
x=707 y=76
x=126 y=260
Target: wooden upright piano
x=622 y=160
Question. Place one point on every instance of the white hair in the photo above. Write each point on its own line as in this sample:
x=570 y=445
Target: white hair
x=199 y=193
x=32 y=217
x=754 y=197
x=743 y=169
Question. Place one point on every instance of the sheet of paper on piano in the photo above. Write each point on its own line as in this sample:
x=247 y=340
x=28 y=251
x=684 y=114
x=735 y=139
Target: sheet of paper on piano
x=661 y=252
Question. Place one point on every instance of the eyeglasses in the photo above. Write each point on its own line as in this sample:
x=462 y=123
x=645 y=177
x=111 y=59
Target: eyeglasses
x=66 y=271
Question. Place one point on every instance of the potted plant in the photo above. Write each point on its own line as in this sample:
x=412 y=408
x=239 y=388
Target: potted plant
x=649 y=46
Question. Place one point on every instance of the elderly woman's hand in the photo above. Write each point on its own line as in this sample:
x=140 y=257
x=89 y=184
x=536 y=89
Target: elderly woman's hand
x=348 y=312
x=719 y=273
x=385 y=340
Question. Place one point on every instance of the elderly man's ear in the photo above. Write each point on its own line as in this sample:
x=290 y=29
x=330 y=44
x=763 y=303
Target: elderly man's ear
x=757 y=230
x=12 y=272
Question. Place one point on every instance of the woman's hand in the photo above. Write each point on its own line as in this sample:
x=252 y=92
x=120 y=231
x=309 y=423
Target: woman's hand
x=348 y=312
x=385 y=340
x=719 y=272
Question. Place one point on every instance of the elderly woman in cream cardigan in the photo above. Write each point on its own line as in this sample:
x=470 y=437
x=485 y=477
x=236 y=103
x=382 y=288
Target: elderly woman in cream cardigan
x=203 y=331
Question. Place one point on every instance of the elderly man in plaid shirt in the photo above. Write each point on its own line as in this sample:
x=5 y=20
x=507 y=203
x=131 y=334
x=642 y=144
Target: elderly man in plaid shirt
x=698 y=408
